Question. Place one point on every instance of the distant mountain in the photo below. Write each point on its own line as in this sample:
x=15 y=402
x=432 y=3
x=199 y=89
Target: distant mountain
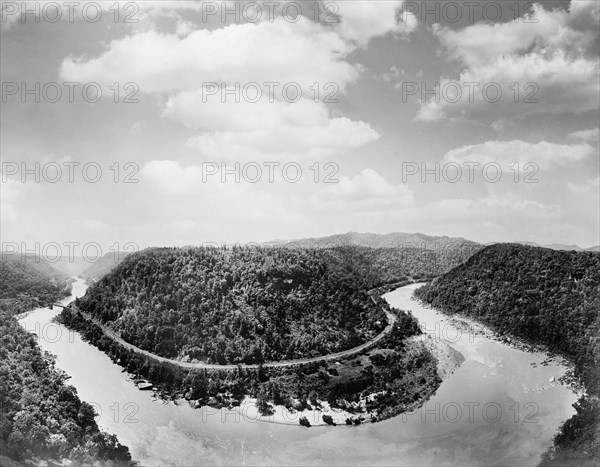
x=593 y=248
x=560 y=246
x=391 y=240
x=104 y=265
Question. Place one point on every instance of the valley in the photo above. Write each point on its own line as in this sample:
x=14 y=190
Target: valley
x=407 y=370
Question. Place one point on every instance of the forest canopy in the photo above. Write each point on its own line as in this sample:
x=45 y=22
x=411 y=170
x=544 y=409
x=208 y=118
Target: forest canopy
x=251 y=304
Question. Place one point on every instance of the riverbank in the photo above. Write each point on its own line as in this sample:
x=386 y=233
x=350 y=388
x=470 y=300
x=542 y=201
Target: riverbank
x=472 y=328
x=161 y=434
x=376 y=381
x=60 y=431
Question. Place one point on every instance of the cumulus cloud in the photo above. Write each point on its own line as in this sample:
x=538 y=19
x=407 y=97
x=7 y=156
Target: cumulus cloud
x=367 y=190
x=176 y=191
x=266 y=56
x=558 y=54
x=360 y=21
x=303 y=52
x=263 y=129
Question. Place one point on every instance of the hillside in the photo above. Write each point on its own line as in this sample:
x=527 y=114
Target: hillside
x=252 y=305
x=234 y=306
x=97 y=270
x=377 y=267
x=545 y=296
x=27 y=281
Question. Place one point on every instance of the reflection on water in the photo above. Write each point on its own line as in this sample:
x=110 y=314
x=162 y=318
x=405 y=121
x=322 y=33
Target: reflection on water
x=496 y=409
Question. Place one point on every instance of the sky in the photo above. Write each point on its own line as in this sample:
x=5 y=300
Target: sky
x=176 y=123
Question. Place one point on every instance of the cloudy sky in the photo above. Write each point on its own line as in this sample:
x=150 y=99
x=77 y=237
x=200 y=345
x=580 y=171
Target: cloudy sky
x=222 y=121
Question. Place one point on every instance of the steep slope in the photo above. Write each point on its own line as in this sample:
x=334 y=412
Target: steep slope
x=26 y=281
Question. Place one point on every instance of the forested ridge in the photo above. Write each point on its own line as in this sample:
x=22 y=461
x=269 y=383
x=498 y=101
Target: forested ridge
x=545 y=296
x=40 y=415
x=245 y=305
x=251 y=304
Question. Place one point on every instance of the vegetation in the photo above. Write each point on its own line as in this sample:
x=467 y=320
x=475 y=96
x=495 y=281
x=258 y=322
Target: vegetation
x=27 y=282
x=403 y=376
x=252 y=305
x=379 y=267
x=245 y=305
x=40 y=415
x=547 y=297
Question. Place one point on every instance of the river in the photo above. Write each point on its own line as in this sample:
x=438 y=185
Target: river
x=496 y=409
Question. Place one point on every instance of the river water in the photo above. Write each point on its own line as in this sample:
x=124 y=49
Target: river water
x=496 y=409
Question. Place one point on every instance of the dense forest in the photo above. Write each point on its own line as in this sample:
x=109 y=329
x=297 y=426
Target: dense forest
x=252 y=304
x=376 y=267
x=40 y=415
x=547 y=297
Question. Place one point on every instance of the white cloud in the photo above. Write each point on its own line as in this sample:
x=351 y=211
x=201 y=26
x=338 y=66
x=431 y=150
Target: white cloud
x=179 y=68
x=543 y=153
x=366 y=191
x=263 y=129
x=363 y=20
x=181 y=196
x=591 y=188
x=278 y=51
x=558 y=54
x=587 y=135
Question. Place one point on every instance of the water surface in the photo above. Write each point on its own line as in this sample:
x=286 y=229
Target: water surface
x=496 y=409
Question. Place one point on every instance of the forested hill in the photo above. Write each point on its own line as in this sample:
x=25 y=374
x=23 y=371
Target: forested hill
x=251 y=305
x=245 y=305
x=548 y=297
x=26 y=282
